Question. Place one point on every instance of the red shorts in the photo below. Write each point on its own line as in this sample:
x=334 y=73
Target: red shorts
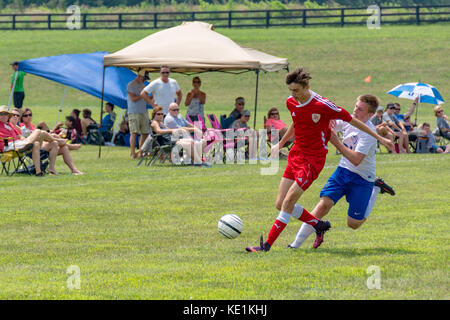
x=303 y=169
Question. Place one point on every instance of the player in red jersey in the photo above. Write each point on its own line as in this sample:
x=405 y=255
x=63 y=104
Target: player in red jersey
x=311 y=116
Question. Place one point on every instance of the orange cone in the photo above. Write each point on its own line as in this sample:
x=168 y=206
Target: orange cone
x=368 y=79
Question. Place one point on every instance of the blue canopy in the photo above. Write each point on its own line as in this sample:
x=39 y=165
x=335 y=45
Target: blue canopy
x=83 y=72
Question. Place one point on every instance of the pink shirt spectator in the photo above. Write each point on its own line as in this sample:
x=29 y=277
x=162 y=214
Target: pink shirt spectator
x=277 y=124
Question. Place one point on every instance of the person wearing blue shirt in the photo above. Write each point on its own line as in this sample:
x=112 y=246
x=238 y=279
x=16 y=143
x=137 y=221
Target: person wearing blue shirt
x=108 y=122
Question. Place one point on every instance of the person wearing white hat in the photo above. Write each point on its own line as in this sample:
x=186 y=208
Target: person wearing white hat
x=11 y=139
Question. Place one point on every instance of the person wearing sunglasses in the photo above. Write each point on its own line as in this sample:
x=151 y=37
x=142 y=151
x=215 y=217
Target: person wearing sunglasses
x=274 y=121
x=242 y=122
x=62 y=147
x=195 y=100
x=442 y=122
x=193 y=148
x=398 y=128
x=163 y=90
x=33 y=143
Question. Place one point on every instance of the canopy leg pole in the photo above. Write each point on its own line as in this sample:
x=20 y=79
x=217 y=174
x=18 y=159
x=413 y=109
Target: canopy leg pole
x=256 y=98
x=60 y=106
x=101 y=116
x=117 y=125
x=12 y=89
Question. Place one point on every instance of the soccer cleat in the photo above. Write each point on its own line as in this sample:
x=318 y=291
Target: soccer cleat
x=291 y=247
x=319 y=239
x=263 y=246
x=384 y=187
x=321 y=227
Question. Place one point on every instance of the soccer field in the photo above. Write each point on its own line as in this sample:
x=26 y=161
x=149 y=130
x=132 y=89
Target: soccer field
x=151 y=232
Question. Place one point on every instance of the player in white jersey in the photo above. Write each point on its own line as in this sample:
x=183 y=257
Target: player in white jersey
x=355 y=174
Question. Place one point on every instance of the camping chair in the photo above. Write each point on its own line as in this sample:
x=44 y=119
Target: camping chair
x=287 y=146
x=153 y=151
x=12 y=160
x=94 y=136
x=197 y=118
x=441 y=137
x=28 y=165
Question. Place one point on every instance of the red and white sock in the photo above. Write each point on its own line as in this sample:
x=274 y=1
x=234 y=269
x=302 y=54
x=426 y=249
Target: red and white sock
x=278 y=227
x=303 y=215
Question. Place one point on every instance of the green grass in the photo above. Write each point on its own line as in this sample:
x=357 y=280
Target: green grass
x=151 y=233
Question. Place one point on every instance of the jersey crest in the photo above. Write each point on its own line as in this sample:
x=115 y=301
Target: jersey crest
x=315 y=117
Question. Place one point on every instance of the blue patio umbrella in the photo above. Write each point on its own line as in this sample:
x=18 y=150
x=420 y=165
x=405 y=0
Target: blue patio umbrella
x=426 y=93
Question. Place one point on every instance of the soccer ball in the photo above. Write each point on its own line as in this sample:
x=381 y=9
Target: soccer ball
x=230 y=226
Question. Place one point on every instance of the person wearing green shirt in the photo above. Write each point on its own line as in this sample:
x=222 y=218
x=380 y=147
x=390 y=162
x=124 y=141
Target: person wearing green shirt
x=19 y=93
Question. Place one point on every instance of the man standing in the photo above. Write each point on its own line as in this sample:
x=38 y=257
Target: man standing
x=164 y=90
x=138 y=120
x=19 y=92
x=311 y=116
x=355 y=174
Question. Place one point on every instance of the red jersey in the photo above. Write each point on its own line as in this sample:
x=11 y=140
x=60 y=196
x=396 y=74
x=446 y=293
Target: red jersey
x=6 y=131
x=312 y=123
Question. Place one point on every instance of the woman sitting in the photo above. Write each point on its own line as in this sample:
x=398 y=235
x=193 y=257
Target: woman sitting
x=63 y=147
x=193 y=148
x=274 y=122
x=86 y=121
x=9 y=131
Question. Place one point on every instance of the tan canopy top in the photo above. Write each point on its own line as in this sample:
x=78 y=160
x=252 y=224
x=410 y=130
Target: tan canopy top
x=192 y=47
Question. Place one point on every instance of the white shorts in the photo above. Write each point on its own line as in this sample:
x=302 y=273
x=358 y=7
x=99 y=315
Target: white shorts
x=17 y=145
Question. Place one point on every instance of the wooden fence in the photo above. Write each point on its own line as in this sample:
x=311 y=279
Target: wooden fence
x=227 y=19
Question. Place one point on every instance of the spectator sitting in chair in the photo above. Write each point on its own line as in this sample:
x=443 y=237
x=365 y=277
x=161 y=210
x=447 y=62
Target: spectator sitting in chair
x=274 y=121
x=241 y=123
x=86 y=121
x=397 y=127
x=76 y=115
x=397 y=110
x=431 y=144
x=32 y=143
x=382 y=127
x=193 y=148
x=108 y=122
x=174 y=120
x=442 y=122
x=64 y=148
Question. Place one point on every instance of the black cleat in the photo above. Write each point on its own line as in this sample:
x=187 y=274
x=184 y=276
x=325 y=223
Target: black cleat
x=263 y=246
x=321 y=227
x=384 y=187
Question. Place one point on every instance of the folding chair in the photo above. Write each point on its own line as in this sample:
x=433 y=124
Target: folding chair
x=152 y=150
x=94 y=136
x=28 y=166
x=197 y=118
x=12 y=160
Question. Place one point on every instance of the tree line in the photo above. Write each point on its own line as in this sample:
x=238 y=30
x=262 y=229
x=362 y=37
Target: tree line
x=62 y=4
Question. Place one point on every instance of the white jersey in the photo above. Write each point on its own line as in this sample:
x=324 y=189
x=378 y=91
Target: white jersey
x=359 y=141
x=163 y=92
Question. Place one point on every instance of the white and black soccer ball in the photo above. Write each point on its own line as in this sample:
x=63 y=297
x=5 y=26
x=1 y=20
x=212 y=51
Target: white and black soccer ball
x=230 y=226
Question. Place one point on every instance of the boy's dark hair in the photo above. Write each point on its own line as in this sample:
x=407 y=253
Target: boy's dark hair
x=77 y=112
x=299 y=76
x=111 y=105
x=71 y=119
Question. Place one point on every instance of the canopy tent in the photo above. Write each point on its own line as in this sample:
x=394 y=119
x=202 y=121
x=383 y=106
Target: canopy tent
x=194 y=47
x=83 y=72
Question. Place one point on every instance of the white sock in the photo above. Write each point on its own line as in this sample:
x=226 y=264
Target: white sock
x=303 y=233
x=297 y=212
x=372 y=200
x=284 y=217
